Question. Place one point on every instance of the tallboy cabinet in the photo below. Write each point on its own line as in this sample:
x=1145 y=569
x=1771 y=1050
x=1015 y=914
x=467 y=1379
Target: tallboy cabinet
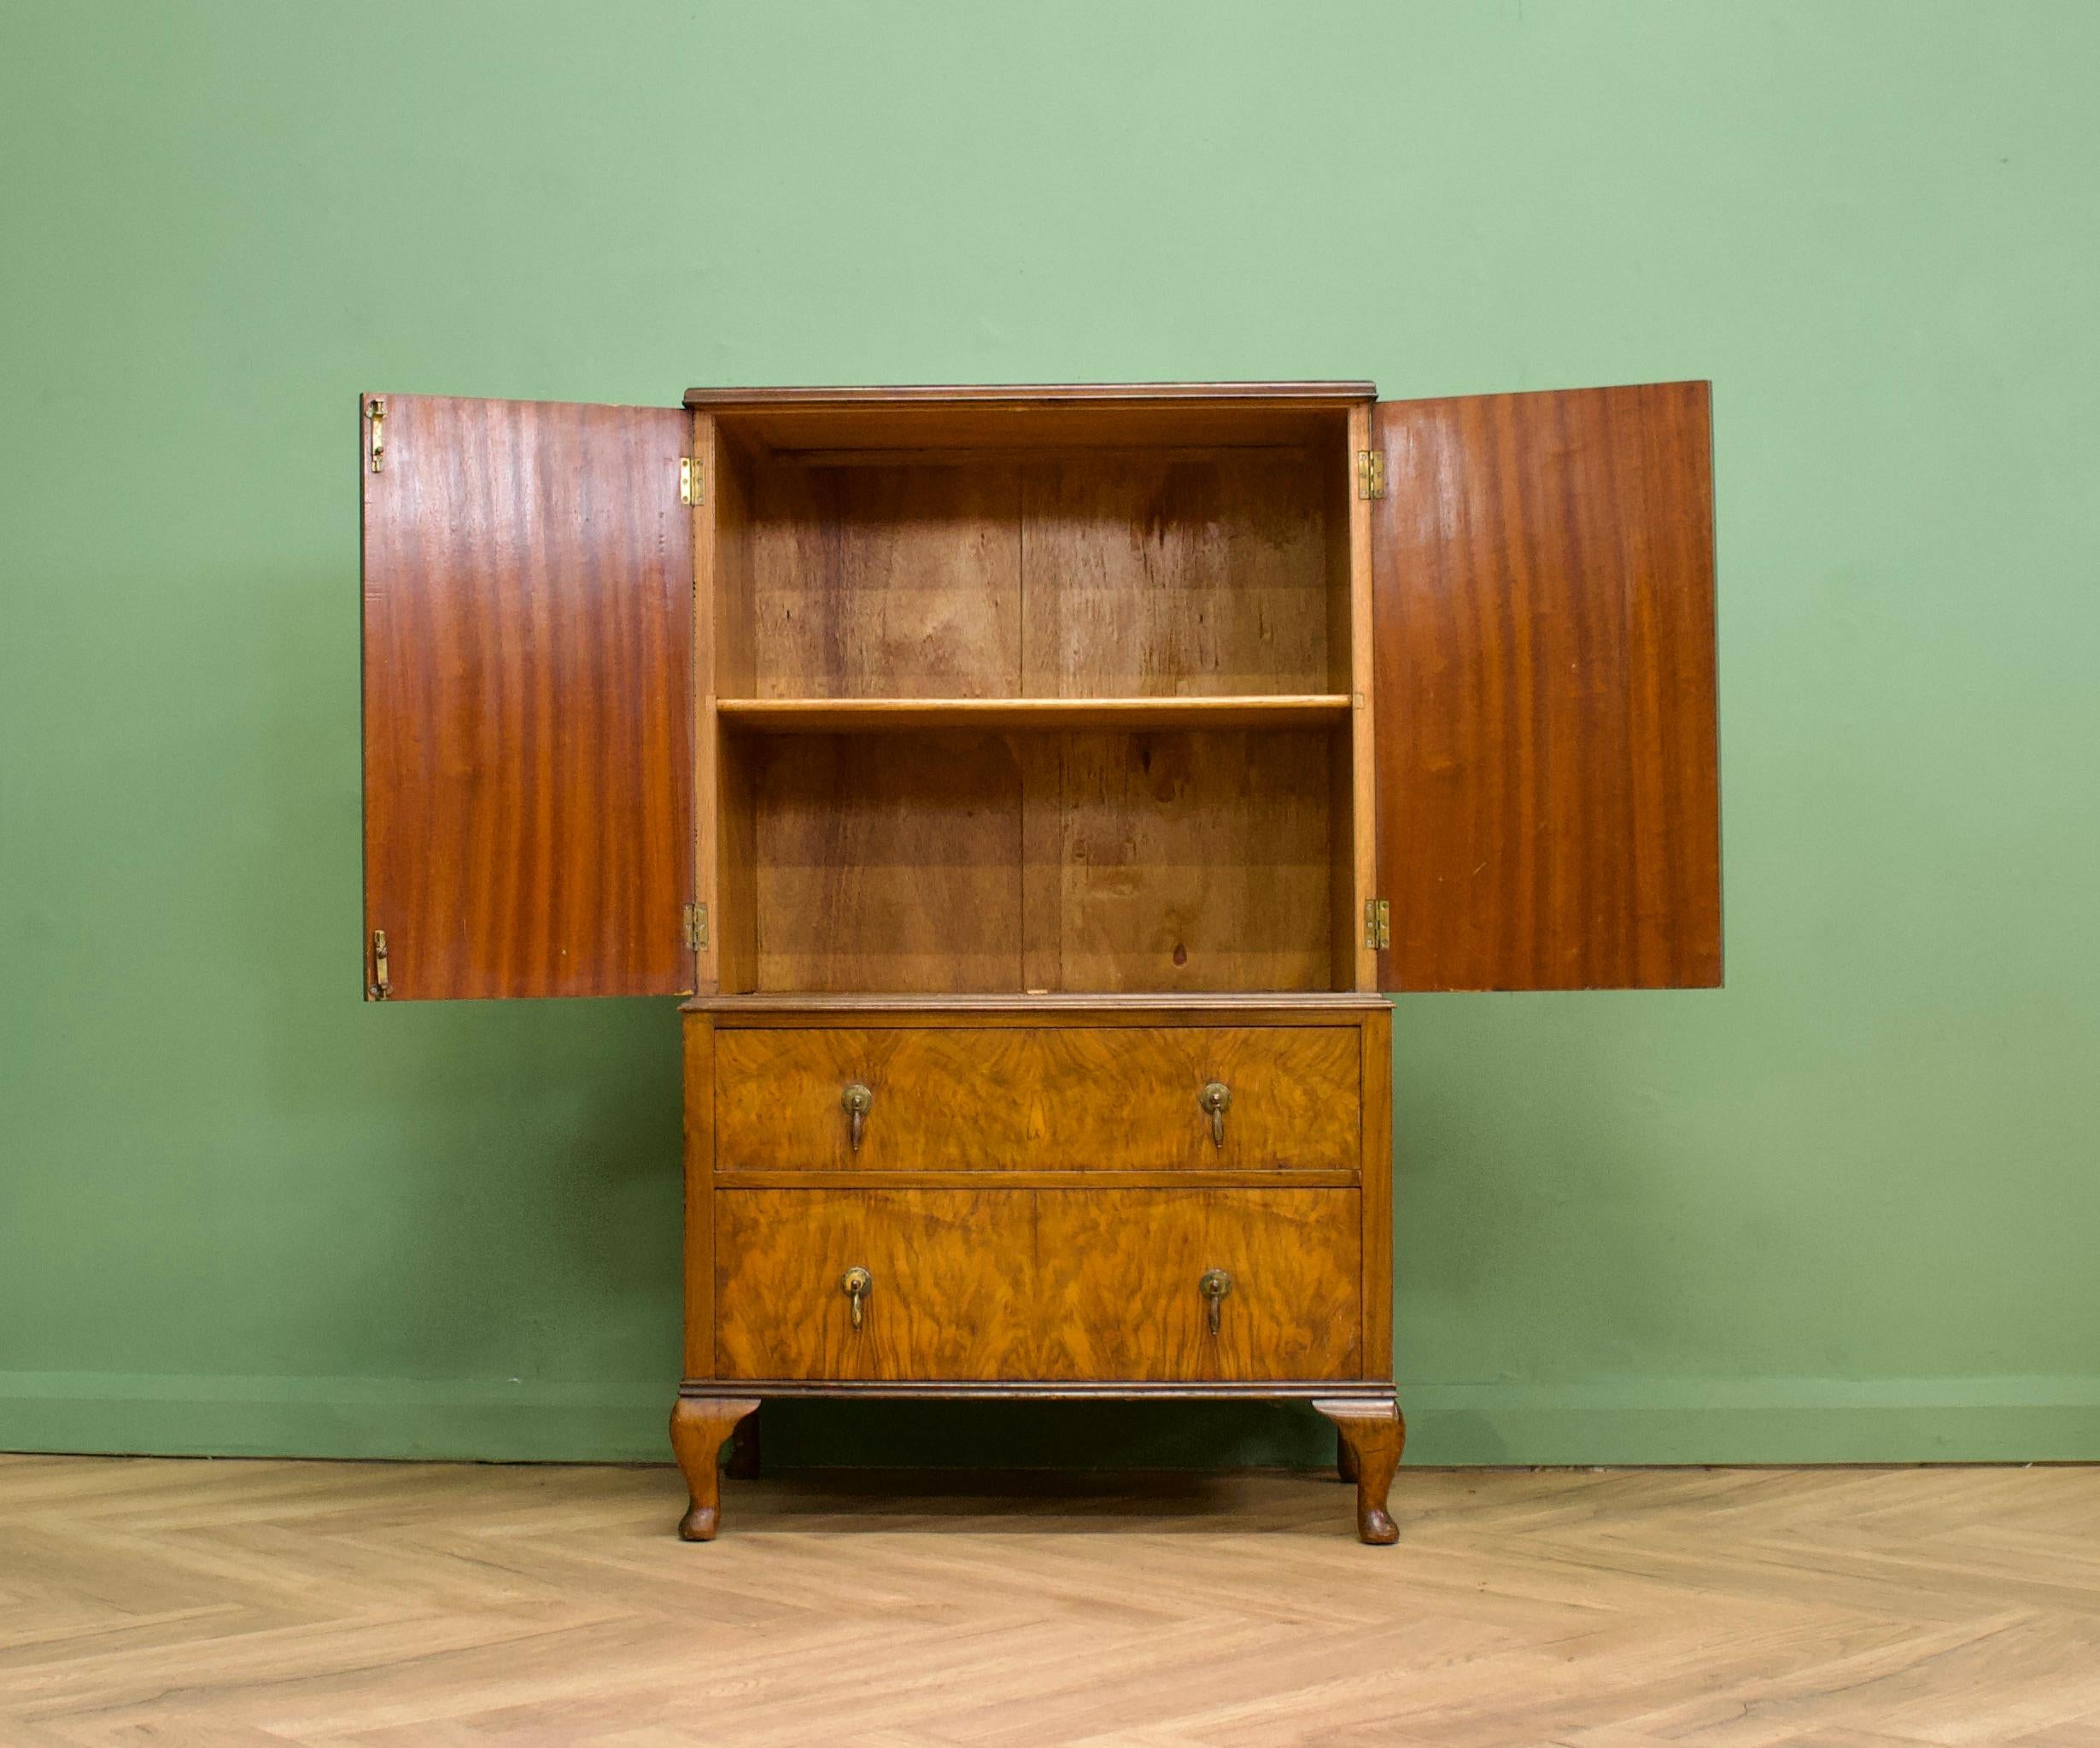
x=1033 y=788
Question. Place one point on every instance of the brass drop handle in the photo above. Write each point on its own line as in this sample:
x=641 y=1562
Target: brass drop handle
x=1216 y=1098
x=1213 y=1284
x=857 y=1100
x=857 y=1283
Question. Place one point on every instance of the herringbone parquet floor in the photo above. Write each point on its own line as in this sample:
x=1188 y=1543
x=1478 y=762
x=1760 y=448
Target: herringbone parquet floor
x=253 y=1605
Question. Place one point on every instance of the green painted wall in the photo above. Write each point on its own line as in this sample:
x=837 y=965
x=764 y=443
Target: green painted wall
x=1845 y=1208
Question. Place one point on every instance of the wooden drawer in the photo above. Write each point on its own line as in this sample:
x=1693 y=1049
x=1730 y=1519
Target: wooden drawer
x=991 y=1098
x=979 y=1285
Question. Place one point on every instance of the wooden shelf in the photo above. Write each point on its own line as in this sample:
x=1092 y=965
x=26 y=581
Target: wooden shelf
x=839 y=716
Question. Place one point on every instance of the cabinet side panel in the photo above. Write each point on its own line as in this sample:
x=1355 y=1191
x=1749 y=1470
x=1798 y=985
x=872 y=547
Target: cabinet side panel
x=723 y=667
x=1548 y=792
x=707 y=631
x=1354 y=809
x=1377 y=1204
x=528 y=724
x=699 y=1173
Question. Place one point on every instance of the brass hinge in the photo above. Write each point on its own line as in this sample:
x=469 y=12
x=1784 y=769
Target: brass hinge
x=1370 y=473
x=690 y=490
x=1378 y=924
x=375 y=412
x=380 y=988
x=696 y=927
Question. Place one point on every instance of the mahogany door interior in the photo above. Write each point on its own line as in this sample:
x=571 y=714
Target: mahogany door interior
x=528 y=578
x=1548 y=787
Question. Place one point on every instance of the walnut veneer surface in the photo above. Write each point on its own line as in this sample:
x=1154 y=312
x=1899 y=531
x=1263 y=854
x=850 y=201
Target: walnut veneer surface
x=1038 y=1097
x=1035 y=1197
x=986 y=1284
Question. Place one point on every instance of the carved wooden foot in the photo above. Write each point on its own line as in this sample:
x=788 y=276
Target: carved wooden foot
x=699 y=1426
x=1344 y=1458
x=1372 y=1434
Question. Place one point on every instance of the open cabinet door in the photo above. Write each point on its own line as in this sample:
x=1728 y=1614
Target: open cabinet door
x=528 y=584
x=1543 y=629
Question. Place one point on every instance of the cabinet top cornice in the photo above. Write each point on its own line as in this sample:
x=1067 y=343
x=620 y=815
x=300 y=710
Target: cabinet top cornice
x=1026 y=393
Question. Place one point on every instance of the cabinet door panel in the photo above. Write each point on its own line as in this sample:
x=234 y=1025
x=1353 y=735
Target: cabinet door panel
x=1547 y=785
x=528 y=603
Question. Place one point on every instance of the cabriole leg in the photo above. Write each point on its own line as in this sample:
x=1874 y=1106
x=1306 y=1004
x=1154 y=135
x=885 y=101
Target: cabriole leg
x=1372 y=1434
x=744 y=1457
x=699 y=1427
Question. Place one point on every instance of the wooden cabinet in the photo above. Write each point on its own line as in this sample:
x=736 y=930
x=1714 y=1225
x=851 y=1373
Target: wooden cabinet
x=1032 y=789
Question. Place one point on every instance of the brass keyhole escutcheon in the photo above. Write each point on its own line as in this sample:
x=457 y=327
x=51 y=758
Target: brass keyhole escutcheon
x=1213 y=1284
x=1215 y=1099
x=857 y=1283
x=857 y=1100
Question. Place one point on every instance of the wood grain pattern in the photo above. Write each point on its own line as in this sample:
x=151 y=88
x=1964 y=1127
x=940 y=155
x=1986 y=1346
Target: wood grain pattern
x=1037 y=1098
x=730 y=504
x=1356 y=965
x=699 y=1428
x=836 y=426
x=1176 y=578
x=1153 y=611
x=723 y=660
x=1548 y=804
x=922 y=863
x=257 y=1604
x=893 y=582
x=886 y=863
x=1037 y=1284
x=951 y=1297
x=1195 y=861
x=1375 y=1173
x=697 y=1037
x=527 y=580
x=1118 y=1270
x=1372 y=1436
x=714 y=555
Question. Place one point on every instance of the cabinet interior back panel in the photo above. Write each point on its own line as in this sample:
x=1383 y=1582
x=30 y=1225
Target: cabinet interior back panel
x=1148 y=575
x=885 y=582
x=885 y=863
x=1098 y=862
x=1112 y=573
x=1191 y=861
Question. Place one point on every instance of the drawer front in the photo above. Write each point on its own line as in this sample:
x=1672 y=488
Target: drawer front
x=1085 y=1098
x=1055 y=1285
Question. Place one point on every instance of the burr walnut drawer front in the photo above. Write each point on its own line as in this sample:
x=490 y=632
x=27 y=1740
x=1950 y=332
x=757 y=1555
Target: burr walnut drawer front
x=979 y=1285
x=990 y=1098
